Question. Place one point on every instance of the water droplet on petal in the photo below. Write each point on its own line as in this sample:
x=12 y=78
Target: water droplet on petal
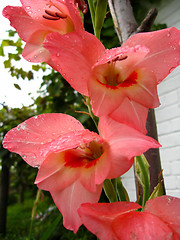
x=57 y=54
x=172 y=69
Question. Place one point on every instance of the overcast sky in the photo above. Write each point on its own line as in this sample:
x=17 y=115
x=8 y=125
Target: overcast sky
x=8 y=93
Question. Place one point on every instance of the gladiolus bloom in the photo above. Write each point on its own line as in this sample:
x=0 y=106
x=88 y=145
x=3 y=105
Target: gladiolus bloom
x=73 y=162
x=35 y=19
x=121 y=220
x=118 y=78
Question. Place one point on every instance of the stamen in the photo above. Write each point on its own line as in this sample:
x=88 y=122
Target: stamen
x=50 y=13
x=51 y=18
x=120 y=58
x=61 y=15
x=54 y=15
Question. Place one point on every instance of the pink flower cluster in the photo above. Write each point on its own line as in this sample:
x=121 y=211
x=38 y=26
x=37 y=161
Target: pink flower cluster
x=122 y=84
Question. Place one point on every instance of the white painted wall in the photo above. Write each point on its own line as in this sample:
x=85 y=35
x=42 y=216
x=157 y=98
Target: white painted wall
x=167 y=115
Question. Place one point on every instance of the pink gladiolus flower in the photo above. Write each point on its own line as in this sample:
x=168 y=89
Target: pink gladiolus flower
x=119 y=78
x=73 y=162
x=35 y=19
x=114 y=221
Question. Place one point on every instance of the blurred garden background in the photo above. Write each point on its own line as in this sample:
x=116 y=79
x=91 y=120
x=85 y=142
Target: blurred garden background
x=31 y=213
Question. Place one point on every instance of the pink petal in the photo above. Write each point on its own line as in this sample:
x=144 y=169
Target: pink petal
x=69 y=200
x=164 y=50
x=30 y=31
x=79 y=50
x=34 y=138
x=36 y=9
x=98 y=217
x=35 y=52
x=22 y=22
x=53 y=176
x=119 y=165
x=125 y=143
x=144 y=91
x=167 y=208
x=105 y=98
x=97 y=173
x=128 y=141
x=135 y=116
x=60 y=170
x=128 y=57
x=140 y=225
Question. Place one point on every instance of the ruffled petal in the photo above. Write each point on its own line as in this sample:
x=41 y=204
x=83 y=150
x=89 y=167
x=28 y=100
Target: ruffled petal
x=167 y=209
x=74 y=54
x=43 y=11
x=34 y=138
x=117 y=63
x=96 y=173
x=135 y=116
x=53 y=176
x=124 y=139
x=140 y=225
x=98 y=217
x=125 y=143
x=22 y=22
x=69 y=200
x=104 y=99
x=164 y=53
x=141 y=87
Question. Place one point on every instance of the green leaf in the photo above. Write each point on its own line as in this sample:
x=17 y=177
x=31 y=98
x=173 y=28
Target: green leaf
x=51 y=228
x=17 y=86
x=142 y=174
x=7 y=63
x=122 y=193
x=110 y=191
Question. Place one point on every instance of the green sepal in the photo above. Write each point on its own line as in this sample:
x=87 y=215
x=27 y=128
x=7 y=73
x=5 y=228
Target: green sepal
x=100 y=13
x=158 y=190
x=142 y=174
x=110 y=191
x=92 y=11
x=121 y=191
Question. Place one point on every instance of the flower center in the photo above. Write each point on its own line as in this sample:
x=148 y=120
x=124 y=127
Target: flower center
x=85 y=155
x=110 y=75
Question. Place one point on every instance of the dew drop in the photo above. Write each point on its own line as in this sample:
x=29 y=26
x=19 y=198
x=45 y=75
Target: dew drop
x=172 y=69
x=57 y=54
x=37 y=166
x=168 y=35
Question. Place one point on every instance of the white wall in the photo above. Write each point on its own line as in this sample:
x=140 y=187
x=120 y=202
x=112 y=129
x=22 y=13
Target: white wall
x=167 y=115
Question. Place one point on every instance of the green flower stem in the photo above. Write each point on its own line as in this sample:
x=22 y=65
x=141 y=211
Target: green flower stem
x=34 y=212
x=145 y=182
x=110 y=191
x=90 y=111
